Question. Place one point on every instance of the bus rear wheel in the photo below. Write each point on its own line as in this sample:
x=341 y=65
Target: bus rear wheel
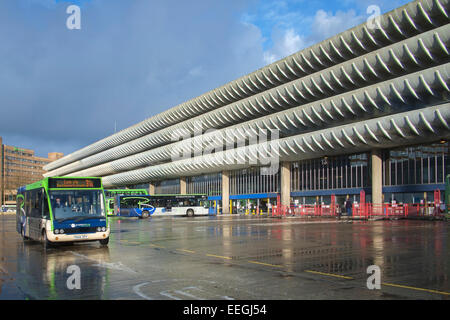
x=104 y=242
x=190 y=213
x=145 y=214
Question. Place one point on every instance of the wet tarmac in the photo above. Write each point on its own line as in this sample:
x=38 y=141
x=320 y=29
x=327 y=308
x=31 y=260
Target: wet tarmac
x=234 y=257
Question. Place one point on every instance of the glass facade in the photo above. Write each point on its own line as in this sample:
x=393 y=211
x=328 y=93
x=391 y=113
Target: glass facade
x=426 y=164
x=209 y=184
x=408 y=169
x=167 y=187
x=251 y=181
x=340 y=172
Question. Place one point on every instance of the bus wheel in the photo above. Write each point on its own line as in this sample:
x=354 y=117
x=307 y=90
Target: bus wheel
x=145 y=214
x=104 y=242
x=190 y=213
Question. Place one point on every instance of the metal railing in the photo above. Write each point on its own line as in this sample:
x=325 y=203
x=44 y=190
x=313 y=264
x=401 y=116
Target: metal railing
x=362 y=211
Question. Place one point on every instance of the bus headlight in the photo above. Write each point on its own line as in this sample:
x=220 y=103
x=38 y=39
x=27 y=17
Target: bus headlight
x=104 y=229
x=61 y=230
x=99 y=229
x=56 y=231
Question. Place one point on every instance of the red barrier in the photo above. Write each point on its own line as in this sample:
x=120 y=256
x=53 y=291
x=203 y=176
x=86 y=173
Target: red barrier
x=425 y=210
x=309 y=210
x=360 y=211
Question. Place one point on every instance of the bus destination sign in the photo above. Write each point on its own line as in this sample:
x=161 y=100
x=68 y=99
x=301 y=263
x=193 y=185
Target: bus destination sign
x=74 y=183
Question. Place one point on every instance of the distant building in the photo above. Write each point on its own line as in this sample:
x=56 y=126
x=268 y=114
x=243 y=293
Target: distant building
x=19 y=167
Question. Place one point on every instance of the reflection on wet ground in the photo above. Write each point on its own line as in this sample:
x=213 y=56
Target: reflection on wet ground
x=234 y=257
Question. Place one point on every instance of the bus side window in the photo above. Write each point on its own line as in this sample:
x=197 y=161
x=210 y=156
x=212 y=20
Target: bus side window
x=36 y=211
x=161 y=203
x=27 y=206
x=45 y=209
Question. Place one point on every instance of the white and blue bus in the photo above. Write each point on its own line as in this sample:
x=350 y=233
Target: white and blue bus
x=63 y=209
x=162 y=205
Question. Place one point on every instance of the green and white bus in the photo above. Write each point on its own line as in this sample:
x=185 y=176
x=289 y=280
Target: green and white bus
x=63 y=209
x=112 y=193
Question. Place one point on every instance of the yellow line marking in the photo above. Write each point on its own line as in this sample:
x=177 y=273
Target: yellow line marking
x=185 y=250
x=266 y=264
x=328 y=274
x=384 y=283
x=156 y=246
x=213 y=255
x=415 y=288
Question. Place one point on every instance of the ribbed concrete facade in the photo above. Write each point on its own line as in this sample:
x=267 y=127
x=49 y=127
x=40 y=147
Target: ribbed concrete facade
x=361 y=90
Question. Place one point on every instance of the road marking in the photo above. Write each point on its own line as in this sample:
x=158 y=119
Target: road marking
x=164 y=293
x=266 y=264
x=139 y=293
x=108 y=265
x=384 y=283
x=213 y=255
x=155 y=246
x=415 y=288
x=328 y=274
x=189 y=294
x=185 y=250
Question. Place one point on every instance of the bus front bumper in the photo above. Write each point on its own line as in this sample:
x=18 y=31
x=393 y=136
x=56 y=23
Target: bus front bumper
x=52 y=237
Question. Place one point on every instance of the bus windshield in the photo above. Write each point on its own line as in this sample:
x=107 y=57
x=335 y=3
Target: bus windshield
x=76 y=204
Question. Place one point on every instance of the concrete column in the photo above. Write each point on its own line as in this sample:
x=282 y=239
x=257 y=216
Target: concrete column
x=183 y=185
x=151 y=189
x=377 y=176
x=285 y=173
x=225 y=192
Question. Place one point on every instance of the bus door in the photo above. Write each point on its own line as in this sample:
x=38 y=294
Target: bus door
x=34 y=213
x=20 y=212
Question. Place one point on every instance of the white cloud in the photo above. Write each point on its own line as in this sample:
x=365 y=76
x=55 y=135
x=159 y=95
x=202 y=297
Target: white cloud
x=324 y=25
x=285 y=43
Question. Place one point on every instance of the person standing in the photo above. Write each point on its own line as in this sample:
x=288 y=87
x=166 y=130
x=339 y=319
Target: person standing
x=348 y=206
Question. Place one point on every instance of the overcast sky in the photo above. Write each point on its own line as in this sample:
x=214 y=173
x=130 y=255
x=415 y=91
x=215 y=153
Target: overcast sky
x=63 y=89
